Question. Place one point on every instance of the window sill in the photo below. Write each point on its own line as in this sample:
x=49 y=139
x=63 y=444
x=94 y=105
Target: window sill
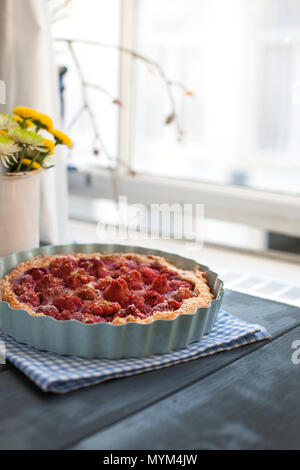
x=274 y=212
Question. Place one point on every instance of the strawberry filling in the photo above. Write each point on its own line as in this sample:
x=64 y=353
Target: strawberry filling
x=167 y=305
x=134 y=280
x=148 y=274
x=161 y=284
x=134 y=311
x=139 y=303
x=26 y=281
x=47 y=282
x=177 y=284
x=94 y=266
x=68 y=302
x=49 y=310
x=117 y=291
x=78 y=278
x=153 y=298
x=102 y=309
x=62 y=267
x=95 y=290
x=89 y=318
x=86 y=293
x=30 y=298
x=37 y=273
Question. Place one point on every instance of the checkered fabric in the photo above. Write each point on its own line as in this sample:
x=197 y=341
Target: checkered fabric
x=62 y=374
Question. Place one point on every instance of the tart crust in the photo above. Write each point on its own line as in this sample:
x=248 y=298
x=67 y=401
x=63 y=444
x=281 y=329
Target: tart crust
x=202 y=298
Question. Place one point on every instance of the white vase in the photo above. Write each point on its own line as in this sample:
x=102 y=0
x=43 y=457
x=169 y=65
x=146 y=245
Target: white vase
x=19 y=211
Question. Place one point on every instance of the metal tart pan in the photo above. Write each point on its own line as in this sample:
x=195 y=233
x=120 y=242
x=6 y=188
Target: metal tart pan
x=104 y=340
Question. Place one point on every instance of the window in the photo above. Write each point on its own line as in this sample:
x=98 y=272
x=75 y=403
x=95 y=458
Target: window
x=241 y=59
x=240 y=152
x=88 y=21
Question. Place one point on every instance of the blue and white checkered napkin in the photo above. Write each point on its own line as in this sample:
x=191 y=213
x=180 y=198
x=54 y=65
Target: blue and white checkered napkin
x=61 y=374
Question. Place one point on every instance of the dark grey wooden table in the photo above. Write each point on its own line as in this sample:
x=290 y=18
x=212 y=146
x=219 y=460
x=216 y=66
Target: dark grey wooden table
x=247 y=398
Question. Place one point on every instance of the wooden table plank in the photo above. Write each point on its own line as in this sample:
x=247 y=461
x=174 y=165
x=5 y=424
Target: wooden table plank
x=251 y=404
x=53 y=421
x=277 y=317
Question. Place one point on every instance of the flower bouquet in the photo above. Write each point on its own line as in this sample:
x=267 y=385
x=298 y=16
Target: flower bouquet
x=27 y=145
x=23 y=142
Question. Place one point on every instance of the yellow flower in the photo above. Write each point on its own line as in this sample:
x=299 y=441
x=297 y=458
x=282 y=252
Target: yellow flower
x=20 y=121
x=3 y=132
x=27 y=162
x=43 y=121
x=50 y=145
x=23 y=112
x=61 y=138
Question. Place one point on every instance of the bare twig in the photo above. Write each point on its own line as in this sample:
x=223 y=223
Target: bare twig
x=180 y=85
x=76 y=117
x=98 y=137
x=58 y=18
x=173 y=115
x=101 y=89
x=55 y=12
x=86 y=107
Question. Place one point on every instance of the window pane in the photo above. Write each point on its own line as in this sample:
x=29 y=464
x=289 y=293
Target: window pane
x=241 y=58
x=90 y=20
x=273 y=119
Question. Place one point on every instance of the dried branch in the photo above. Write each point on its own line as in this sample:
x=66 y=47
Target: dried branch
x=60 y=12
x=61 y=17
x=98 y=137
x=86 y=107
x=180 y=85
x=101 y=89
x=167 y=81
x=76 y=117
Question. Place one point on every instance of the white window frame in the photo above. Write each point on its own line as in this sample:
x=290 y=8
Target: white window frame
x=261 y=209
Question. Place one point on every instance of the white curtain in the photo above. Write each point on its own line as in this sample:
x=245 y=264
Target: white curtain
x=28 y=70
